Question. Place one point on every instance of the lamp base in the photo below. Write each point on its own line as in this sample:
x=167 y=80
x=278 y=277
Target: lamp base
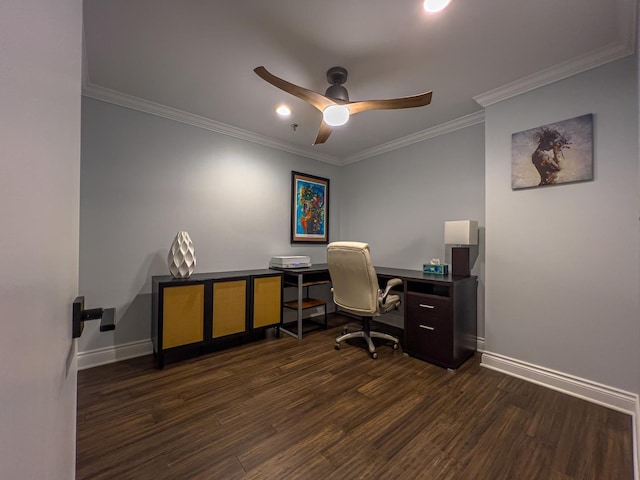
x=460 y=262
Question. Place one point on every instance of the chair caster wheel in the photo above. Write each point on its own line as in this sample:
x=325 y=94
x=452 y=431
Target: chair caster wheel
x=374 y=355
x=337 y=346
x=395 y=346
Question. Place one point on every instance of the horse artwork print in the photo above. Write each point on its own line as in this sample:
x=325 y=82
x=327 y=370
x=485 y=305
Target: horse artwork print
x=560 y=152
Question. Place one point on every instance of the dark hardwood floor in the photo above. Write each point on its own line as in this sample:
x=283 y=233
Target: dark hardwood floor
x=283 y=408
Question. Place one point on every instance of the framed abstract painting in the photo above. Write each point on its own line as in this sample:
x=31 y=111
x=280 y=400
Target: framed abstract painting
x=553 y=154
x=309 y=208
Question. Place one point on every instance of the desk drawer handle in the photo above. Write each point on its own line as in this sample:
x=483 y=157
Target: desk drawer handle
x=424 y=305
x=427 y=327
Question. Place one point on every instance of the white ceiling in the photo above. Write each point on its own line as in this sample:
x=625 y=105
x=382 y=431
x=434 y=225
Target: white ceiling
x=193 y=60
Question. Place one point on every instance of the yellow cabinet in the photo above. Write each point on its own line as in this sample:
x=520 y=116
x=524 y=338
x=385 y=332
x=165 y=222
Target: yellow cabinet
x=183 y=310
x=229 y=308
x=196 y=314
x=267 y=301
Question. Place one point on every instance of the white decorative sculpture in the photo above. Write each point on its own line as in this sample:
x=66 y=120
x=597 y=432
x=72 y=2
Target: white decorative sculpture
x=182 y=258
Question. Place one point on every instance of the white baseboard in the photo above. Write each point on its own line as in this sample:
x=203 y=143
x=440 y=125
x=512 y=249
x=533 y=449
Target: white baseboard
x=575 y=386
x=604 y=395
x=102 y=356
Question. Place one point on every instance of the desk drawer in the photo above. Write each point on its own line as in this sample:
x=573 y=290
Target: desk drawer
x=429 y=329
x=428 y=307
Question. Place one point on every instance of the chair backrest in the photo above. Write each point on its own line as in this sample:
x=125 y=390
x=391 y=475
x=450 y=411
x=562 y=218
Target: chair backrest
x=353 y=277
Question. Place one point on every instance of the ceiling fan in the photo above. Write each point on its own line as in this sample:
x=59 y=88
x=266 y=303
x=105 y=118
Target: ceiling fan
x=334 y=104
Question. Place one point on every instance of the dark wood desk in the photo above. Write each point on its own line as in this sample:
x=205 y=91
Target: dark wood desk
x=440 y=311
x=440 y=315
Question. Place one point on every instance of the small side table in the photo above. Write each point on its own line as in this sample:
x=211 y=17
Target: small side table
x=303 y=278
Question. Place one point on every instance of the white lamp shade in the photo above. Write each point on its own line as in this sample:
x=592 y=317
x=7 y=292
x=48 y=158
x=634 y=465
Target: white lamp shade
x=461 y=232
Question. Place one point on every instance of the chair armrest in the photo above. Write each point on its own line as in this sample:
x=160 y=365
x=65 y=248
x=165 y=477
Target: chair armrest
x=390 y=284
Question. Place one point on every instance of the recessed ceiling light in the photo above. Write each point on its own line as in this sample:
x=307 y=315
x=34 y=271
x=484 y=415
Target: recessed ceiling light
x=433 y=6
x=283 y=111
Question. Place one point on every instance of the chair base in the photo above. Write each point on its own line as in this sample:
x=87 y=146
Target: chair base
x=368 y=335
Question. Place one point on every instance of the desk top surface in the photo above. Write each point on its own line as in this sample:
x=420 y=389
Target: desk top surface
x=418 y=275
x=383 y=271
x=316 y=268
x=405 y=274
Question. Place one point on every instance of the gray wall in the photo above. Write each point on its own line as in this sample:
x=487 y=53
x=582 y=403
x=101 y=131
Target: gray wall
x=398 y=202
x=40 y=56
x=144 y=178
x=562 y=276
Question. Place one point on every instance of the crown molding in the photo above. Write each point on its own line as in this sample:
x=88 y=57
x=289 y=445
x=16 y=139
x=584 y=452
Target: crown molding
x=578 y=65
x=626 y=45
x=152 y=108
x=539 y=79
x=444 y=128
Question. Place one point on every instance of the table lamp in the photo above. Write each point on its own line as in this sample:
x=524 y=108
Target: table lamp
x=460 y=232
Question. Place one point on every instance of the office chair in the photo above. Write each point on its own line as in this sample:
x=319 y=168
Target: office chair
x=356 y=290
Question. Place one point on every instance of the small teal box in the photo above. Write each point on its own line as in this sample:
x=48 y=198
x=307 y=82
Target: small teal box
x=437 y=269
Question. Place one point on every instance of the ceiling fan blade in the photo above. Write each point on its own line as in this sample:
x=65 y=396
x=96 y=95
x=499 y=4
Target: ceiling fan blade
x=316 y=99
x=323 y=133
x=390 y=104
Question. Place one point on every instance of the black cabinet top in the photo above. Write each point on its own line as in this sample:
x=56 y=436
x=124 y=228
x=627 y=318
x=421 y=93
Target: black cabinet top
x=203 y=277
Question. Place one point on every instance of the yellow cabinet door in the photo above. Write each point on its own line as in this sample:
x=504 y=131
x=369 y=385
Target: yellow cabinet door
x=182 y=315
x=267 y=294
x=229 y=307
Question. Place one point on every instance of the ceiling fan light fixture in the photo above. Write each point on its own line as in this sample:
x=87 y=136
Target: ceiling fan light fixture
x=283 y=111
x=336 y=111
x=335 y=115
x=433 y=6
x=337 y=92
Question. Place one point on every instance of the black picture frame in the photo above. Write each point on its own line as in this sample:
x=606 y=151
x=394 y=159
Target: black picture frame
x=309 y=209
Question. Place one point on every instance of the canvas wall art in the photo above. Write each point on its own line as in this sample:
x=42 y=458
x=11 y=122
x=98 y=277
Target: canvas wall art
x=309 y=208
x=553 y=154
